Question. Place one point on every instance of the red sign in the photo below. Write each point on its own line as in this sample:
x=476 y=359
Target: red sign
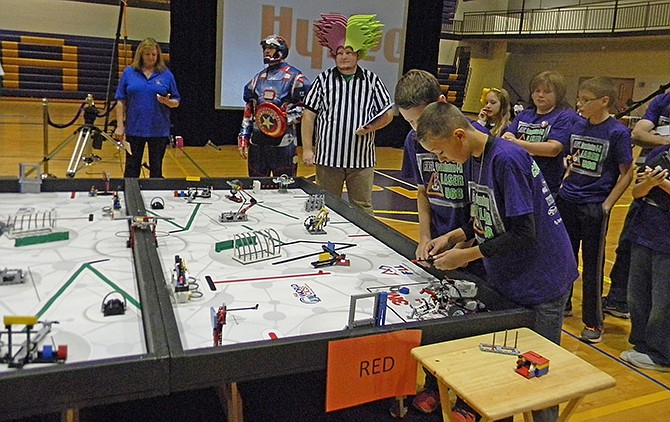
x=364 y=369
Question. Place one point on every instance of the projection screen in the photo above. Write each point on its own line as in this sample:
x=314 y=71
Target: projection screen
x=242 y=24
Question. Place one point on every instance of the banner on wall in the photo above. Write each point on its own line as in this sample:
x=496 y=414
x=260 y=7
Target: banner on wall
x=242 y=25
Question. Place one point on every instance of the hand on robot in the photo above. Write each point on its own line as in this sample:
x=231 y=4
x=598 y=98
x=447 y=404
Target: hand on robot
x=452 y=259
x=443 y=243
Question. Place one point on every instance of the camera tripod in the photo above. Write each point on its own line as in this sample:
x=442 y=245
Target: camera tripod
x=88 y=137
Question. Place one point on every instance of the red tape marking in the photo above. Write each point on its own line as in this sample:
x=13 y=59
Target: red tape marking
x=273 y=277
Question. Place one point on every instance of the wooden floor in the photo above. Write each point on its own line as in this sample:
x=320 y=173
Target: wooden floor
x=639 y=395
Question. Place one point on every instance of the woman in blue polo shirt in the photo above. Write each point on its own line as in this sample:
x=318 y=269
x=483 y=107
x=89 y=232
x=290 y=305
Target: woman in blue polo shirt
x=146 y=93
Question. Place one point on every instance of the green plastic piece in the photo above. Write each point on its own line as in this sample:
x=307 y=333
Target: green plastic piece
x=228 y=244
x=44 y=238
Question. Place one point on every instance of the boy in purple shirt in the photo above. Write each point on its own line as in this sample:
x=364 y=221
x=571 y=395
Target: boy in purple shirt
x=520 y=234
x=648 y=287
x=543 y=130
x=600 y=169
x=649 y=132
x=442 y=198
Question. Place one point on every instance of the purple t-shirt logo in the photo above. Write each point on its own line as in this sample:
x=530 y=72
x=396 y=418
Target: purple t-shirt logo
x=588 y=154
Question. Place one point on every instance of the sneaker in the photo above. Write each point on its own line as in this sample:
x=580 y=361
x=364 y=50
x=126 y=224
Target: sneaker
x=642 y=360
x=619 y=310
x=458 y=414
x=592 y=335
x=427 y=401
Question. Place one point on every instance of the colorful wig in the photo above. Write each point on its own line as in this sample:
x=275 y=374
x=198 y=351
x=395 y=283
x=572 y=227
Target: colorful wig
x=359 y=32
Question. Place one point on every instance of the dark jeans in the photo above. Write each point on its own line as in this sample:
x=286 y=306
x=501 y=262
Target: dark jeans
x=586 y=225
x=157 y=147
x=266 y=161
x=649 y=303
x=618 y=292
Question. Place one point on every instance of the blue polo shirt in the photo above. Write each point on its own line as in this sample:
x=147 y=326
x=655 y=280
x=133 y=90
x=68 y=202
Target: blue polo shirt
x=145 y=116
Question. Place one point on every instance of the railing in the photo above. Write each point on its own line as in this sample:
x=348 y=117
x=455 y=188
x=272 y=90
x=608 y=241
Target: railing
x=596 y=19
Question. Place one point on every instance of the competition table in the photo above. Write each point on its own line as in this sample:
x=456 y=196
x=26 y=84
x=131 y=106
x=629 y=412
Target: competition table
x=489 y=384
x=178 y=354
x=110 y=359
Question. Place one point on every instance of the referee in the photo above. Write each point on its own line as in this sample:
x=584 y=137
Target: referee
x=337 y=132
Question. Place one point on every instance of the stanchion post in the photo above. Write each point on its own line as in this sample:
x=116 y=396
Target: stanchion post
x=45 y=133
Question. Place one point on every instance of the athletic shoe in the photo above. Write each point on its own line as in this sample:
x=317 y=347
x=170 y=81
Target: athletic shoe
x=592 y=335
x=642 y=360
x=427 y=401
x=458 y=414
x=619 y=310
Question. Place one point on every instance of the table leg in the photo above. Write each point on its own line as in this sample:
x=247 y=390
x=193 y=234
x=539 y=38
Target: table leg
x=445 y=402
x=70 y=415
x=232 y=399
x=569 y=409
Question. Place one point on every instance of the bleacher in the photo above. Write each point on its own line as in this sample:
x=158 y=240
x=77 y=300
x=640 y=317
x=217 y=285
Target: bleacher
x=453 y=77
x=56 y=66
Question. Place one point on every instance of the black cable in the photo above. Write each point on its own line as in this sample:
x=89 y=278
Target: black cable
x=661 y=89
x=70 y=123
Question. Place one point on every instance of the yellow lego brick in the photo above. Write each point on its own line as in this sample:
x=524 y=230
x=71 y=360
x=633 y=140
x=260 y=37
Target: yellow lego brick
x=19 y=320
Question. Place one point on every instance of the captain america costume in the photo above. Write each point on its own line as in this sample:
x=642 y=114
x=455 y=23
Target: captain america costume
x=273 y=98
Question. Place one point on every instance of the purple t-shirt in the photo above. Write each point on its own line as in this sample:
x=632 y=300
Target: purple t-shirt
x=658 y=113
x=532 y=127
x=649 y=227
x=445 y=186
x=508 y=183
x=597 y=151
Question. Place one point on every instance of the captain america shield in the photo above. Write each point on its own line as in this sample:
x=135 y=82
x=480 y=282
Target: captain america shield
x=270 y=120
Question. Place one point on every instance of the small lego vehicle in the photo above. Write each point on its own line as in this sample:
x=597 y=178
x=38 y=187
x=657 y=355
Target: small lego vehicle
x=331 y=257
x=315 y=223
x=532 y=365
x=28 y=352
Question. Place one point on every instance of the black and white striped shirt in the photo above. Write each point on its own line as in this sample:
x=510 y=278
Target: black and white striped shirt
x=341 y=107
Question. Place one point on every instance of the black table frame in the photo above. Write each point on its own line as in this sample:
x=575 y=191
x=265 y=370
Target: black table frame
x=168 y=368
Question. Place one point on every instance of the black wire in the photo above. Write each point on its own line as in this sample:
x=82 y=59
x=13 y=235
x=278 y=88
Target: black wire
x=70 y=123
x=661 y=89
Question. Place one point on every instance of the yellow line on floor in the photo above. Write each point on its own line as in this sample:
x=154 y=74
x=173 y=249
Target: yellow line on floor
x=620 y=406
x=410 y=194
x=176 y=161
x=396 y=212
x=395 y=221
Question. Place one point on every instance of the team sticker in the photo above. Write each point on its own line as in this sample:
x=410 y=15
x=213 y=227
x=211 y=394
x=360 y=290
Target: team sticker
x=305 y=293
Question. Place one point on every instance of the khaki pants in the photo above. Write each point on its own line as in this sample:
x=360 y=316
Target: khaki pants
x=359 y=184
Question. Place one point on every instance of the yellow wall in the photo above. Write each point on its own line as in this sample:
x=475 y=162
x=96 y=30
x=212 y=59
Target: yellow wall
x=85 y=19
x=645 y=60
x=487 y=68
